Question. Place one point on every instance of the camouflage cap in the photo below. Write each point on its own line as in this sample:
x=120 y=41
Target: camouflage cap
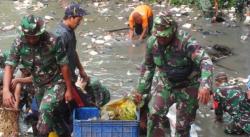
x=75 y=10
x=31 y=25
x=163 y=25
x=221 y=75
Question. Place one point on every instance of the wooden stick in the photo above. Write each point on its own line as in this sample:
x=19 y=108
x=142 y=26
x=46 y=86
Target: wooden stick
x=117 y=29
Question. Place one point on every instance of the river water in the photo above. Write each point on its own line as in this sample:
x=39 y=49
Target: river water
x=116 y=61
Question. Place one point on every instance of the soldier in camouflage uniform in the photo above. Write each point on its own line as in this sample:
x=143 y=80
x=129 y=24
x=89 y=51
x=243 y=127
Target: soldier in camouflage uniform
x=232 y=100
x=183 y=71
x=40 y=53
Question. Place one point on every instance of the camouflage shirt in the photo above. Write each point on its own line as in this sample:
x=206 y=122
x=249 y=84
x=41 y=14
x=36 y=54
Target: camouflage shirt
x=3 y=57
x=183 y=59
x=41 y=60
x=229 y=96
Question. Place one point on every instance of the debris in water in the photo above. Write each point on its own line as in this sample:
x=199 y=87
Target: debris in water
x=99 y=41
x=93 y=53
x=107 y=37
x=48 y=17
x=244 y=37
x=10 y=27
x=217 y=52
x=187 y=25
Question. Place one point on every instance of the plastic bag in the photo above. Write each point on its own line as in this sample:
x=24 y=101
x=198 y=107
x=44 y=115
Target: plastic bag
x=120 y=109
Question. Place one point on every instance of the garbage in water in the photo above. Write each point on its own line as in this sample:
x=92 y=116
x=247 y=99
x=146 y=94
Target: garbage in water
x=7 y=28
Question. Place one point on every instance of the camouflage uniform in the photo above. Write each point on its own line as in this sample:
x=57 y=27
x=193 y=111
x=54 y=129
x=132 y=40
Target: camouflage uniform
x=3 y=56
x=2 y=60
x=232 y=100
x=99 y=94
x=28 y=90
x=180 y=69
x=43 y=61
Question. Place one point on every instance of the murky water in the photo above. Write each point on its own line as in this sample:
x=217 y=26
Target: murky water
x=116 y=61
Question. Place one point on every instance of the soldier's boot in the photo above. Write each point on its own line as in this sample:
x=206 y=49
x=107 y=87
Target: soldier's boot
x=233 y=129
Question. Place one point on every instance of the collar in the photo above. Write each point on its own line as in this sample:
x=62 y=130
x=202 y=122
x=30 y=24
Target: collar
x=65 y=26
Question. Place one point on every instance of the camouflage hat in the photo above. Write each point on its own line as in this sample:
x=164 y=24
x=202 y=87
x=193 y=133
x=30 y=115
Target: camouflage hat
x=75 y=10
x=31 y=25
x=221 y=75
x=163 y=25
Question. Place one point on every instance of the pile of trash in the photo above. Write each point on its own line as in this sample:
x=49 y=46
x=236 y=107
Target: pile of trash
x=119 y=109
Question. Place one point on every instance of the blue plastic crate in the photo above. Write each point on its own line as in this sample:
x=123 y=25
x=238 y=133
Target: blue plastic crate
x=84 y=113
x=104 y=128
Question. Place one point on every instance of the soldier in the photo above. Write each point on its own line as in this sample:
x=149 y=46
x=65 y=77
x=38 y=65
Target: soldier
x=42 y=54
x=183 y=71
x=232 y=100
x=141 y=21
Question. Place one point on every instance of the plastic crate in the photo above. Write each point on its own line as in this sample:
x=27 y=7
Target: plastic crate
x=103 y=128
x=85 y=113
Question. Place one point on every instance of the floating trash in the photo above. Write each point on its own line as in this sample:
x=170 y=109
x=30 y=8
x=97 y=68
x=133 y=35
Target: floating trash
x=93 y=53
x=99 y=41
x=187 y=25
x=10 y=27
x=243 y=37
x=49 y=17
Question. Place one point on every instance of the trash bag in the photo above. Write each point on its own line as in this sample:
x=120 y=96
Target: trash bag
x=120 y=109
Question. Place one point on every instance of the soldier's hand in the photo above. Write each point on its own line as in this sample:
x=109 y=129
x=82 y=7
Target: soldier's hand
x=204 y=95
x=137 y=97
x=83 y=75
x=8 y=99
x=68 y=95
x=14 y=82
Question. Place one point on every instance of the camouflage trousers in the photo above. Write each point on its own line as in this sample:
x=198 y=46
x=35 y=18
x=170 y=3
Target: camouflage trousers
x=49 y=98
x=242 y=119
x=162 y=97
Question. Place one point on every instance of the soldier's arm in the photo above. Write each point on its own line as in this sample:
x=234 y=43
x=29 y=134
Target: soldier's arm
x=200 y=58
x=147 y=69
x=10 y=64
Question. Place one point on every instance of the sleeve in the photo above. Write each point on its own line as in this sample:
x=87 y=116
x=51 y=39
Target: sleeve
x=200 y=58
x=60 y=52
x=144 y=21
x=147 y=70
x=13 y=57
